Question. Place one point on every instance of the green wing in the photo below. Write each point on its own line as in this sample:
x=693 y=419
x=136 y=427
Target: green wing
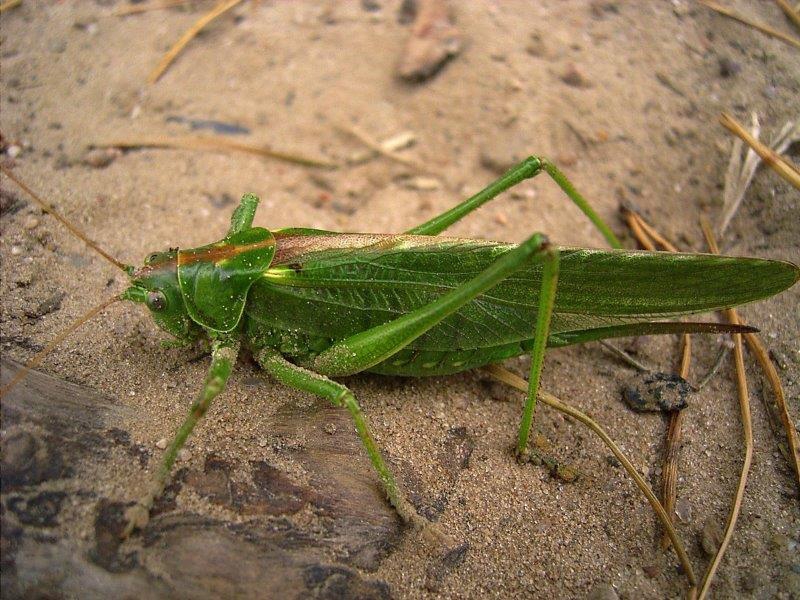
x=337 y=285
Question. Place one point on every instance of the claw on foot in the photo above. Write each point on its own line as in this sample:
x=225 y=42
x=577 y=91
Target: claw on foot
x=523 y=457
x=433 y=533
x=136 y=517
x=430 y=531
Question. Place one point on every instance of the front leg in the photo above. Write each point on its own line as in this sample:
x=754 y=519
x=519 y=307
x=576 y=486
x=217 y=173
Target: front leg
x=223 y=356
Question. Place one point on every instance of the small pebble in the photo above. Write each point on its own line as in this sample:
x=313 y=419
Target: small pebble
x=370 y=5
x=728 y=67
x=185 y=455
x=602 y=7
x=679 y=8
x=602 y=591
x=500 y=152
x=652 y=571
x=100 y=158
x=31 y=223
x=566 y=473
x=535 y=46
x=161 y=444
x=425 y=184
x=13 y=151
x=402 y=140
x=683 y=510
x=57 y=46
x=573 y=77
x=751 y=580
x=16 y=250
x=711 y=536
x=770 y=92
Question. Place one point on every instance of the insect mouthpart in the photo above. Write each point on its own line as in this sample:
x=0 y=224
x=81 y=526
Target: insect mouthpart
x=135 y=294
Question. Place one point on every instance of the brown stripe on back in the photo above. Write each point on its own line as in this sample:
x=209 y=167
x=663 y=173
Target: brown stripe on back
x=293 y=245
x=148 y=270
x=216 y=254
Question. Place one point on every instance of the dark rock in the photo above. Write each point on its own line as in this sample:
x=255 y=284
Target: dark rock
x=40 y=510
x=108 y=526
x=729 y=67
x=28 y=460
x=656 y=392
x=575 y=78
x=50 y=304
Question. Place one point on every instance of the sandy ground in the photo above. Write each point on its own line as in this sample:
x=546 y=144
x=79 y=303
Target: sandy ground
x=625 y=96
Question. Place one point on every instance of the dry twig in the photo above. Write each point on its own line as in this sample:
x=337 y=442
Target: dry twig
x=634 y=223
x=757 y=348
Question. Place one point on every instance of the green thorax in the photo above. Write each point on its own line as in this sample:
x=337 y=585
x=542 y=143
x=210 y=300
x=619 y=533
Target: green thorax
x=215 y=279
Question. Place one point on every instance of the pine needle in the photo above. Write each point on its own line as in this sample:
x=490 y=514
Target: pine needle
x=216 y=144
x=740 y=172
x=379 y=148
x=188 y=36
x=635 y=225
x=648 y=236
x=669 y=477
x=757 y=348
x=776 y=162
x=505 y=376
x=141 y=8
x=792 y=13
x=747 y=433
x=727 y=12
x=9 y=4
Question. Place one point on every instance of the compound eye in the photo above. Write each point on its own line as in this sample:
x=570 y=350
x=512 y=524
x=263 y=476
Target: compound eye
x=152 y=258
x=156 y=300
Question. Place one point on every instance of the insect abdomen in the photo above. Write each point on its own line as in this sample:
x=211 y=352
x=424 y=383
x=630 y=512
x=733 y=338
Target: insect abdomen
x=419 y=363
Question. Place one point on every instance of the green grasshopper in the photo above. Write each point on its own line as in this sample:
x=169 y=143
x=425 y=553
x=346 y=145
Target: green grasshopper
x=311 y=305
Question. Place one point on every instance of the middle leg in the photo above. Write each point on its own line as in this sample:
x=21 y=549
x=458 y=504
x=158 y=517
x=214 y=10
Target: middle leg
x=339 y=395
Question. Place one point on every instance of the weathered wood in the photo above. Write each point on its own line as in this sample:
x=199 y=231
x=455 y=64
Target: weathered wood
x=54 y=434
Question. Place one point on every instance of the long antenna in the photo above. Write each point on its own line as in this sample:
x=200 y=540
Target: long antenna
x=32 y=363
x=75 y=231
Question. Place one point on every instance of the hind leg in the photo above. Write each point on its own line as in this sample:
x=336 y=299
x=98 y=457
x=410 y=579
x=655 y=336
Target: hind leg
x=527 y=169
